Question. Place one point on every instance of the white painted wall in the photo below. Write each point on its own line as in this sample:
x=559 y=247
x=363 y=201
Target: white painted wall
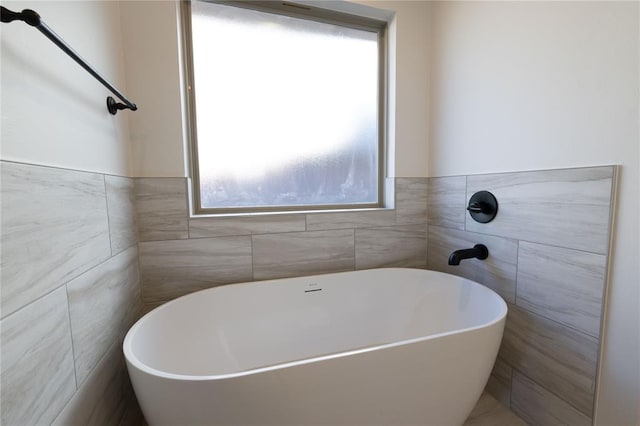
x=409 y=132
x=150 y=30
x=536 y=85
x=53 y=112
x=153 y=75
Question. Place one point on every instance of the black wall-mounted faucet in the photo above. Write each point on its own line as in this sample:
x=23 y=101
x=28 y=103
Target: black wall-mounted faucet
x=483 y=207
x=479 y=251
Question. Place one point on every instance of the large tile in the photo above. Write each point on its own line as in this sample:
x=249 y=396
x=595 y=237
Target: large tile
x=394 y=246
x=170 y=269
x=489 y=412
x=556 y=357
x=411 y=201
x=302 y=253
x=37 y=376
x=562 y=284
x=162 y=212
x=497 y=272
x=446 y=202
x=204 y=227
x=121 y=207
x=537 y=406
x=103 y=304
x=566 y=208
x=54 y=227
x=103 y=398
x=354 y=219
x=499 y=384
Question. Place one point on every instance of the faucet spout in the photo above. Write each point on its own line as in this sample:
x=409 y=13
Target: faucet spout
x=479 y=251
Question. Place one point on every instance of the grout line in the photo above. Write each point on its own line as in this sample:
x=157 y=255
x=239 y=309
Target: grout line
x=187 y=210
x=557 y=323
x=552 y=245
x=106 y=202
x=528 y=171
x=253 y=278
x=73 y=349
x=140 y=282
x=64 y=283
x=355 y=265
x=519 y=240
x=64 y=169
x=515 y=296
x=464 y=205
x=510 y=385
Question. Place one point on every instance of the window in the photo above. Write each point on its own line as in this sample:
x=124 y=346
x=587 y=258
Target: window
x=286 y=107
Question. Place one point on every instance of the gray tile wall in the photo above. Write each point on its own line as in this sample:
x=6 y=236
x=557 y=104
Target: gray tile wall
x=179 y=254
x=548 y=251
x=89 y=253
x=70 y=289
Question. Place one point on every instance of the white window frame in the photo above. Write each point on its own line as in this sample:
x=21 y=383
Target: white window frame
x=302 y=11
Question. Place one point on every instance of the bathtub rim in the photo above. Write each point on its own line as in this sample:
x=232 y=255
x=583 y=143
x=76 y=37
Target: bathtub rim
x=134 y=361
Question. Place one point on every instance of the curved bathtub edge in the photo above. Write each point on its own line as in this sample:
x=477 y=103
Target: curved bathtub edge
x=133 y=360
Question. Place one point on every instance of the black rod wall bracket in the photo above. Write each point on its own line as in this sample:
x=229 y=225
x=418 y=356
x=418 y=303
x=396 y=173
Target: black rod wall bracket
x=32 y=18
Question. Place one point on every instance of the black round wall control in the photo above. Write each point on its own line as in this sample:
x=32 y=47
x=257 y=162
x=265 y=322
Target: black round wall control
x=483 y=206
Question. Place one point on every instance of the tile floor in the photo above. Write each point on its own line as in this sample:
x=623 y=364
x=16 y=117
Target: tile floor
x=489 y=412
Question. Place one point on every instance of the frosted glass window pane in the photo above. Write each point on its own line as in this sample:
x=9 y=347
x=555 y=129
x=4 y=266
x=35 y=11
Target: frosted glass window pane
x=286 y=109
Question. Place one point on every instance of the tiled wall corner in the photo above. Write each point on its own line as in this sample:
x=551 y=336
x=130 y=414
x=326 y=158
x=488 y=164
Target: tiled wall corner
x=548 y=249
x=447 y=202
x=70 y=290
x=497 y=272
x=411 y=201
x=121 y=209
x=161 y=206
x=103 y=397
x=103 y=304
x=403 y=246
x=208 y=251
x=499 y=384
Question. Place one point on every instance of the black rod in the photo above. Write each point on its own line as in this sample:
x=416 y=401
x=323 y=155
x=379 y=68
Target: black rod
x=33 y=19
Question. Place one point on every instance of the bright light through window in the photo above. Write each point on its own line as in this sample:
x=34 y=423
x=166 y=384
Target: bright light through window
x=287 y=110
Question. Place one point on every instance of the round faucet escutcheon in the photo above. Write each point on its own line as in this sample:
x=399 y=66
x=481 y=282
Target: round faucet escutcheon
x=483 y=206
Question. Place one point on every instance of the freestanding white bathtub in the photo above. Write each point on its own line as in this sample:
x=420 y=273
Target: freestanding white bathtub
x=373 y=347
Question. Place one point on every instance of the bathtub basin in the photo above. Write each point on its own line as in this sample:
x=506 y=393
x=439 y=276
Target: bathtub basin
x=375 y=347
